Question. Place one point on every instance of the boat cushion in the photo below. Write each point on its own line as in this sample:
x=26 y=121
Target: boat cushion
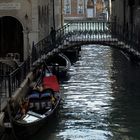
x=51 y=82
x=35 y=95
x=45 y=95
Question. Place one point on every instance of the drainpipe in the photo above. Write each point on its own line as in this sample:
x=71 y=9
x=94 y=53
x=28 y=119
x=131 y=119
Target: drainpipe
x=1 y=37
x=109 y=10
x=124 y=11
x=124 y=15
x=62 y=7
x=53 y=16
x=131 y=17
x=94 y=9
x=86 y=8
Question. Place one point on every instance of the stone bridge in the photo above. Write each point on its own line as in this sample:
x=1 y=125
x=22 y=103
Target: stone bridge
x=71 y=35
x=79 y=33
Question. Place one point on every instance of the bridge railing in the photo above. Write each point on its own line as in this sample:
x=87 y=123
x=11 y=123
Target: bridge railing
x=89 y=31
x=99 y=31
x=73 y=31
x=11 y=79
x=76 y=31
x=46 y=45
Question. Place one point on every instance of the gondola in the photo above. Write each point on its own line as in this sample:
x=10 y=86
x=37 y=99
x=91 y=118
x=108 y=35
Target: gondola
x=60 y=64
x=38 y=107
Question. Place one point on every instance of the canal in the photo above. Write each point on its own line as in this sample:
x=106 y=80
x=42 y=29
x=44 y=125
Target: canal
x=101 y=100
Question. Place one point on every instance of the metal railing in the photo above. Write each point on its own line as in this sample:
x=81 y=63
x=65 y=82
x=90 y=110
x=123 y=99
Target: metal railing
x=89 y=32
x=72 y=32
x=9 y=82
x=75 y=31
x=46 y=45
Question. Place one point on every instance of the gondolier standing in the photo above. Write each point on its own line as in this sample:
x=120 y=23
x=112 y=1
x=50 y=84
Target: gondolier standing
x=53 y=36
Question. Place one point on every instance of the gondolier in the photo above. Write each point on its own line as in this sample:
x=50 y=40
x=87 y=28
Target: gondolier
x=53 y=36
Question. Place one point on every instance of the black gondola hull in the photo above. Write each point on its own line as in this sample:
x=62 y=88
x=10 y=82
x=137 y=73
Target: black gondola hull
x=25 y=130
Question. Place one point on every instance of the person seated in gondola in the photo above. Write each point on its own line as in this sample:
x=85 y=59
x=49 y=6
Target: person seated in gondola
x=35 y=87
x=53 y=101
x=39 y=88
x=24 y=107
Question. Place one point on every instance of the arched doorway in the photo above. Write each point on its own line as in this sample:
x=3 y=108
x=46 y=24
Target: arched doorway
x=11 y=36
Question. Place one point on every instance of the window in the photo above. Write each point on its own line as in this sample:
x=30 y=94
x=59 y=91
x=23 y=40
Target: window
x=67 y=6
x=80 y=7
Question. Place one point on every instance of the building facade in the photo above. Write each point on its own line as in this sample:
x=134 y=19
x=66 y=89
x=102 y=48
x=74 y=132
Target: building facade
x=26 y=21
x=126 y=15
x=84 y=9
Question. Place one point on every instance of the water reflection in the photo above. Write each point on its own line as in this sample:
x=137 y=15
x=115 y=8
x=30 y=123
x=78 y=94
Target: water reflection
x=100 y=100
x=87 y=97
x=125 y=116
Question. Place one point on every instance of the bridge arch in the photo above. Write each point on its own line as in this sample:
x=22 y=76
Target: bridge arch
x=73 y=45
x=11 y=36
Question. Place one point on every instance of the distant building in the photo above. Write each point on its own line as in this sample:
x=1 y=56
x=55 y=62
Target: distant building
x=78 y=9
x=90 y=9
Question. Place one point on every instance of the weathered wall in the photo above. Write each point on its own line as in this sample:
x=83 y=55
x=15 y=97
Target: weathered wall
x=122 y=12
x=35 y=17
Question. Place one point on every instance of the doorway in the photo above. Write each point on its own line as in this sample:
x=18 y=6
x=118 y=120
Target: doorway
x=11 y=37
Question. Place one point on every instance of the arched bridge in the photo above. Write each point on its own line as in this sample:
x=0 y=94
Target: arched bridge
x=72 y=34
x=88 y=33
x=79 y=33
